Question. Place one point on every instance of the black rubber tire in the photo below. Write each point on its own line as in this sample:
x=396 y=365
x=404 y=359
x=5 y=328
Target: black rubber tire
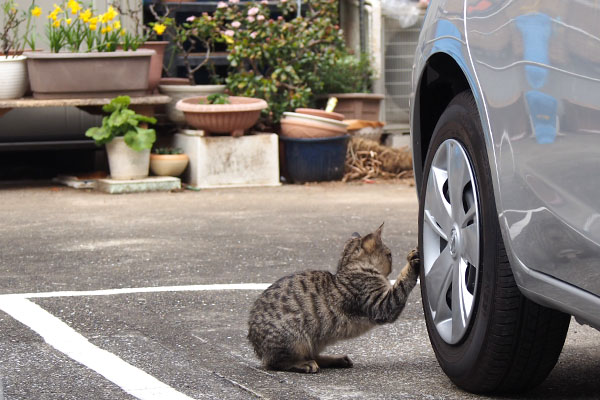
x=512 y=343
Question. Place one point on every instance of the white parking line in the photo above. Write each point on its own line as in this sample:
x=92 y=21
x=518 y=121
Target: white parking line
x=66 y=340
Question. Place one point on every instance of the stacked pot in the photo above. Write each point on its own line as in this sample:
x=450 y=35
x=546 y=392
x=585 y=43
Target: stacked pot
x=13 y=76
x=314 y=144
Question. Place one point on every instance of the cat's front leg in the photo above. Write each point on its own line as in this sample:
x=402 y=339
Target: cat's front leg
x=334 y=361
x=307 y=367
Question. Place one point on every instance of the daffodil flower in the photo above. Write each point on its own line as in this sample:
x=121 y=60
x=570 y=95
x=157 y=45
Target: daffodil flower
x=159 y=28
x=93 y=27
x=110 y=14
x=117 y=25
x=68 y=21
x=56 y=23
x=74 y=6
x=36 y=11
x=86 y=15
x=123 y=33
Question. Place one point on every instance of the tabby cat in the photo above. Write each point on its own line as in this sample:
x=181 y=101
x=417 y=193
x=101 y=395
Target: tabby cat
x=299 y=315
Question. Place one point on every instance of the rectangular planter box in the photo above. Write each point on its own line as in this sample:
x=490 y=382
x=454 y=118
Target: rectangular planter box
x=365 y=106
x=225 y=161
x=83 y=75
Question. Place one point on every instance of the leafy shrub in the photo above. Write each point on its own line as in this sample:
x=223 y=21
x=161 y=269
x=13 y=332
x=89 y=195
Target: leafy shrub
x=277 y=60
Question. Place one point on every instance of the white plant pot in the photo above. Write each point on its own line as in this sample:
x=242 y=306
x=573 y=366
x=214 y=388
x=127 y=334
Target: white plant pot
x=13 y=77
x=178 y=92
x=126 y=163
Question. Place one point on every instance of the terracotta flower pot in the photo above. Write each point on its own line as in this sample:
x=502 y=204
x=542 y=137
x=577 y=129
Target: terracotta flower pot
x=234 y=118
x=156 y=62
x=178 y=91
x=321 y=113
x=168 y=164
x=13 y=77
x=95 y=74
x=298 y=125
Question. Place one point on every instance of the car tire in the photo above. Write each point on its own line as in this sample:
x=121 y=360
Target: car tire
x=493 y=339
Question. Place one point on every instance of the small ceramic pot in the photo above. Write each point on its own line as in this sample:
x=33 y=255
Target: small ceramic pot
x=168 y=164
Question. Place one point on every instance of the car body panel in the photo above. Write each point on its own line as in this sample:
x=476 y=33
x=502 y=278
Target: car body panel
x=533 y=68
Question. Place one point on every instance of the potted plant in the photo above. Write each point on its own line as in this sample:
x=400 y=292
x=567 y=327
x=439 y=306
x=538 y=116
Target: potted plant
x=350 y=80
x=195 y=33
x=13 y=68
x=168 y=161
x=278 y=59
x=83 y=60
x=145 y=36
x=127 y=138
x=220 y=113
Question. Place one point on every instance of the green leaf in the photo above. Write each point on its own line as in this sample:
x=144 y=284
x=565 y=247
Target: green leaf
x=140 y=138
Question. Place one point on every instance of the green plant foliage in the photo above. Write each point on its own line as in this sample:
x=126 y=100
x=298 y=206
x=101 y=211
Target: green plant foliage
x=167 y=150
x=124 y=122
x=218 y=98
x=280 y=60
x=350 y=74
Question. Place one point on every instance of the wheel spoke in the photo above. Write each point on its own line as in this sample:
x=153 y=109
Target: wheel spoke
x=439 y=277
x=458 y=178
x=460 y=304
x=436 y=207
x=470 y=244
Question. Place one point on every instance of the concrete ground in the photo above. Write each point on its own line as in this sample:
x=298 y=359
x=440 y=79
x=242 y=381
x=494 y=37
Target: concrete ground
x=168 y=331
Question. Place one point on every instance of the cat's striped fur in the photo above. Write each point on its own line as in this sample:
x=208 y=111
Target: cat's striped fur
x=299 y=315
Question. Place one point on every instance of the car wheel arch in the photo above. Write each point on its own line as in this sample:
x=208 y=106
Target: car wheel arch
x=441 y=79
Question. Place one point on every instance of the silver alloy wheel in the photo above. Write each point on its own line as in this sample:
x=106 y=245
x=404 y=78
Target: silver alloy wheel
x=451 y=241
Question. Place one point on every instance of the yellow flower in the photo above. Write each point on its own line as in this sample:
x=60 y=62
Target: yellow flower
x=56 y=23
x=36 y=12
x=74 y=6
x=159 y=28
x=68 y=21
x=86 y=15
x=93 y=27
x=123 y=33
x=110 y=14
x=117 y=25
x=108 y=28
x=103 y=30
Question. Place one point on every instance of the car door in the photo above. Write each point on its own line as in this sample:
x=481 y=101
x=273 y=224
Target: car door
x=538 y=65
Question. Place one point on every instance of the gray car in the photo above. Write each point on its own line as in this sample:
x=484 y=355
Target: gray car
x=505 y=125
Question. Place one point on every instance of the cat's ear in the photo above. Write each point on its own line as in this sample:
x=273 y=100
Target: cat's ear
x=369 y=242
x=379 y=230
x=356 y=235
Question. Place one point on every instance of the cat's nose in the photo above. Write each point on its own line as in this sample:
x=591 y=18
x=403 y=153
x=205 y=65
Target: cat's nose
x=355 y=235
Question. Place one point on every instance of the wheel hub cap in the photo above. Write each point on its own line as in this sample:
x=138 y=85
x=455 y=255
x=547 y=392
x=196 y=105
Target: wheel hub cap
x=451 y=241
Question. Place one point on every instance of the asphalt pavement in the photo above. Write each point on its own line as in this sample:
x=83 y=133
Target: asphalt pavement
x=146 y=295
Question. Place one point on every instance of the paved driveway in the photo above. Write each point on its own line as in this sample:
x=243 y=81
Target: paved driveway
x=146 y=296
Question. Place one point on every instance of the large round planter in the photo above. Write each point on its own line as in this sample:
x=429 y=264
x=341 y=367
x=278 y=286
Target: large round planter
x=241 y=114
x=177 y=92
x=156 y=62
x=168 y=164
x=124 y=162
x=13 y=77
x=300 y=125
x=94 y=74
x=314 y=160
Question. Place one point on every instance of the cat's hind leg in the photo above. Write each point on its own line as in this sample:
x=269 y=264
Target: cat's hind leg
x=334 y=362
x=295 y=358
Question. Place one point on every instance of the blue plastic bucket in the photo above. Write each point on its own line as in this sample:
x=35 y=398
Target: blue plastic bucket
x=314 y=160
